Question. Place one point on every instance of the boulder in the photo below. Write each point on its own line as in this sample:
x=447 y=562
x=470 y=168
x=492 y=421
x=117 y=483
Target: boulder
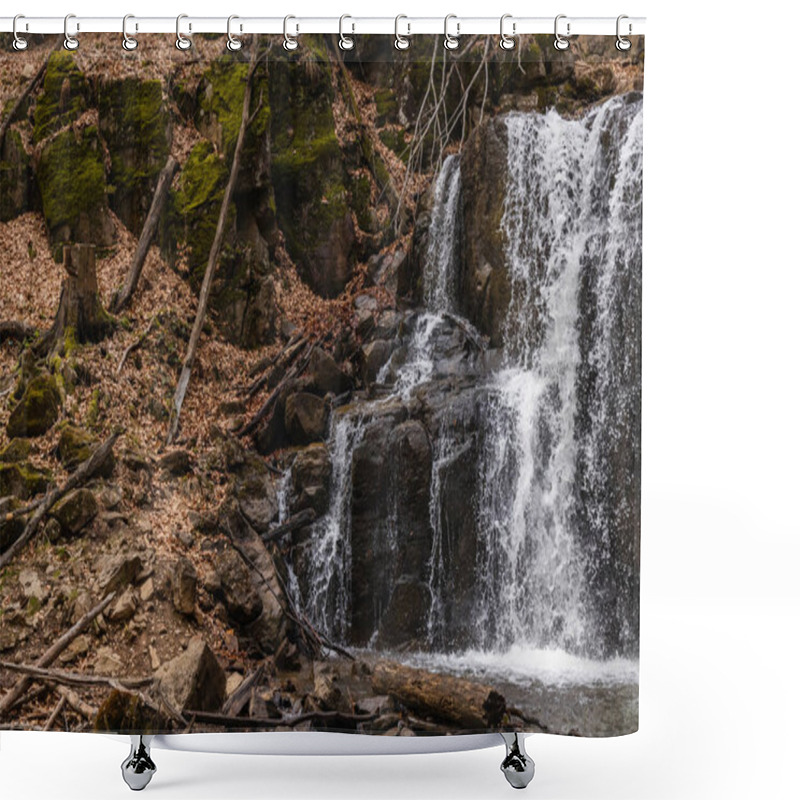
x=194 y=680
x=76 y=445
x=32 y=586
x=117 y=570
x=254 y=488
x=21 y=481
x=374 y=355
x=406 y=617
x=325 y=374
x=306 y=418
x=183 y=580
x=16 y=450
x=239 y=596
x=75 y=511
x=311 y=474
x=38 y=409
x=124 y=607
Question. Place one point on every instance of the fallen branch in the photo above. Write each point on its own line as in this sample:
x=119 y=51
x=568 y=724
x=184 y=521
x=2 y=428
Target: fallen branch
x=65 y=678
x=275 y=394
x=85 y=471
x=17 y=330
x=84 y=709
x=276 y=722
x=62 y=701
x=216 y=246
x=123 y=297
x=287 y=355
x=53 y=652
x=137 y=343
x=241 y=695
x=299 y=520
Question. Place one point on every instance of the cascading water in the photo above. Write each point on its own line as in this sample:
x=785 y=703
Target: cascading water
x=557 y=448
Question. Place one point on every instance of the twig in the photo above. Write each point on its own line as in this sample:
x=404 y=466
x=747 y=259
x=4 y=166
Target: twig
x=300 y=520
x=53 y=652
x=76 y=678
x=275 y=722
x=236 y=702
x=90 y=712
x=85 y=471
x=62 y=701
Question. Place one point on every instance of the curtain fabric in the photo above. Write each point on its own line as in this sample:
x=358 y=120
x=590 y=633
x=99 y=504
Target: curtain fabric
x=320 y=386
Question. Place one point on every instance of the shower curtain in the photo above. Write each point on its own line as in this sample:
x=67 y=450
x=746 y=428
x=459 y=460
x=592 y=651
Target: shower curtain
x=320 y=384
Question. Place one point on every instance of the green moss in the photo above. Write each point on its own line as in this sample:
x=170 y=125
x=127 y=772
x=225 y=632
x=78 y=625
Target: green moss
x=65 y=95
x=71 y=343
x=195 y=206
x=38 y=409
x=220 y=98
x=360 y=194
x=17 y=450
x=395 y=140
x=93 y=410
x=71 y=180
x=386 y=106
x=34 y=605
x=14 y=177
x=135 y=126
x=21 y=481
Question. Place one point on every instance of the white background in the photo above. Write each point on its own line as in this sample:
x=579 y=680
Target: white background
x=720 y=553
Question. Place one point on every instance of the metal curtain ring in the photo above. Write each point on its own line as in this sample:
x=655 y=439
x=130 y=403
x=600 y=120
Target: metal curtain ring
x=507 y=42
x=181 y=42
x=346 y=42
x=401 y=42
x=451 y=42
x=70 y=42
x=623 y=43
x=19 y=43
x=560 y=42
x=289 y=42
x=233 y=44
x=128 y=42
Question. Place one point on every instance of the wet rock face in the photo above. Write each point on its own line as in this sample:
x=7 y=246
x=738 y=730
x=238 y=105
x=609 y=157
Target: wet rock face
x=306 y=418
x=311 y=473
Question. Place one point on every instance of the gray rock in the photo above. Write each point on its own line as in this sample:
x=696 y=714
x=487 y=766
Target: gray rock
x=194 y=680
x=239 y=596
x=311 y=473
x=32 y=585
x=117 y=570
x=124 y=607
x=306 y=418
x=184 y=586
x=75 y=511
x=325 y=374
x=375 y=354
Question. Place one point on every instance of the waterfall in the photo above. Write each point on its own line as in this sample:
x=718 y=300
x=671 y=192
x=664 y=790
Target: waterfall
x=571 y=221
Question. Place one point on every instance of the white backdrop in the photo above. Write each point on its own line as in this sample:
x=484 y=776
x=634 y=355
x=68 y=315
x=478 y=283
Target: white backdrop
x=721 y=532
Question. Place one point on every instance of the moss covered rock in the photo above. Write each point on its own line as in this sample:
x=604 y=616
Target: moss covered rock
x=309 y=176
x=15 y=180
x=135 y=126
x=194 y=208
x=71 y=179
x=75 y=446
x=21 y=481
x=38 y=409
x=66 y=94
x=10 y=527
x=75 y=511
x=16 y=450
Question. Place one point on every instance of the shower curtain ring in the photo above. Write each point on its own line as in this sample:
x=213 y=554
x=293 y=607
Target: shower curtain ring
x=507 y=42
x=19 y=43
x=401 y=42
x=450 y=41
x=560 y=42
x=346 y=42
x=233 y=44
x=70 y=42
x=623 y=43
x=128 y=42
x=181 y=42
x=289 y=42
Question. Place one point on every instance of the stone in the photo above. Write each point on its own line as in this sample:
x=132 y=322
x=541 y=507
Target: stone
x=75 y=511
x=21 y=481
x=378 y=705
x=311 y=473
x=184 y=586
x=16 y=450
x=328 y=693
x=147 y=590
x=306 y=418
x=325 y=374
x=107 y=662
x=78 y=648
x=232 y=683
x=194 y=680
x=76 y=446
x=32 y=585
x=38 y=409
x=124 y=607
x=177 y=463
x=117 y=571
x=375 y=354
x=239 y=595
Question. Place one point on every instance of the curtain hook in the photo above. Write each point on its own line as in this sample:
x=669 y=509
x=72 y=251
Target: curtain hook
x=70 y=42
x=450 y=41
x=128 y=42
x=181 y=42
x=19 y=42
x=289 y=42
x=507 y=42
x=623 y=43
x=560 y=42
x=401 y=42
x=346 y=42
x=233 y=44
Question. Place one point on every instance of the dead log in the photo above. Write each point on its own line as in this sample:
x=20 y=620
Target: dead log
x=123 y=297
x=213 y=255
x=17 y=330
x=281 y=363
x=84 y=472
x=79 y=307
x=84 y=709
x=53 y=652
x=299 y=520
x=471 y=706
x=241 y=695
